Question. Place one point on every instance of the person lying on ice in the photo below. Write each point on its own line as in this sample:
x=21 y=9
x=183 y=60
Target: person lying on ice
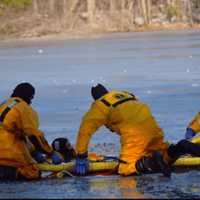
x=20 y=137
x=143 y=149
x=193 y=127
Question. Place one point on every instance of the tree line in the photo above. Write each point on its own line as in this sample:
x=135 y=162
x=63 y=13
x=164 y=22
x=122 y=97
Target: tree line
x=116 y=15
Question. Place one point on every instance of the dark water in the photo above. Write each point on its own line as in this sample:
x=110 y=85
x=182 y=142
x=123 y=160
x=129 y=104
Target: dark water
x=161 y=68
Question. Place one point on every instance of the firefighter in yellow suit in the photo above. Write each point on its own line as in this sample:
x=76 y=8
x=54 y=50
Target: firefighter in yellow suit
x=20 y=138
x=193 y=127
x=143 y=148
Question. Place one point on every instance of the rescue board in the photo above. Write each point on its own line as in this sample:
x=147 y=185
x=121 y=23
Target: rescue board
x=99 y=166
x=103 y=165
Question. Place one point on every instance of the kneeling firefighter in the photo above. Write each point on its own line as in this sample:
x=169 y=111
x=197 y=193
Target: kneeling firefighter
x=22 y=144
x=143 y=149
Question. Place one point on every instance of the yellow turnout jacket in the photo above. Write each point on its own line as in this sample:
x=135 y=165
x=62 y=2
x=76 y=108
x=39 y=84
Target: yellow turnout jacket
x=132 y=120
x=18 y=121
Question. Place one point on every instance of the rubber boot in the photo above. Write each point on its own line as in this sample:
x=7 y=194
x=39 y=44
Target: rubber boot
x=163 y=166
x=154 y=164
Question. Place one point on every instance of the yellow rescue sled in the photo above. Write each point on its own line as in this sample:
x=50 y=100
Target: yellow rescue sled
x=112 y=165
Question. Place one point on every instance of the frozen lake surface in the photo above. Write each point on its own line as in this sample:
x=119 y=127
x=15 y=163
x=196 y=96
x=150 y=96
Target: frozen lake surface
x=161 y=68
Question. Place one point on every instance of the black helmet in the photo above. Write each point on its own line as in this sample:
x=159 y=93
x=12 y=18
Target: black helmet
x=24 y=91
x=98 y=91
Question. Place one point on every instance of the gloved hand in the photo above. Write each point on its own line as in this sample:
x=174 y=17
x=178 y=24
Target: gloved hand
x=39 y=156
x=82 y=164
x=56 y=158
x=189 y=133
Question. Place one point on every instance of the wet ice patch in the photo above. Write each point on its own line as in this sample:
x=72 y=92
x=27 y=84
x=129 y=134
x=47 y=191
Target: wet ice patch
x=195 y=85
x=65 y=91
x=101 y=79
x=40 y=51
x=149 y=91
x=74 y=81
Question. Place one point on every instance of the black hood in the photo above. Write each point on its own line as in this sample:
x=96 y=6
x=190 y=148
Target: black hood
x=24 y=91
x=98 y=91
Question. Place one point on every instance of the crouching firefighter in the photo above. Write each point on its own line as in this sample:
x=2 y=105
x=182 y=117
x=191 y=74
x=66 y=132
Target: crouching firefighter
x=143 y=149
x=22 y=144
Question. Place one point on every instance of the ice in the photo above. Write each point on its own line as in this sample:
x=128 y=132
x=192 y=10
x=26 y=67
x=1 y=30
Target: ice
x=195 y=85
x=154 y=66
x=149 y=91
x=40 y=51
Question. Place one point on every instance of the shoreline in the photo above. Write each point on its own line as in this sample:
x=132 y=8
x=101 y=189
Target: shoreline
x=93 y=34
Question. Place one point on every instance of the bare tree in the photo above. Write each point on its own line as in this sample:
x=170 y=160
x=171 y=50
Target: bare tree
x=130 y=9
x=148 y=6
x=190 y=11
x=64 y=7
x=51 y=6
x=35 y=7
x=144 y=10
x=112 y=6
x=73 y=5
x=91 y=10
x=122 y=18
